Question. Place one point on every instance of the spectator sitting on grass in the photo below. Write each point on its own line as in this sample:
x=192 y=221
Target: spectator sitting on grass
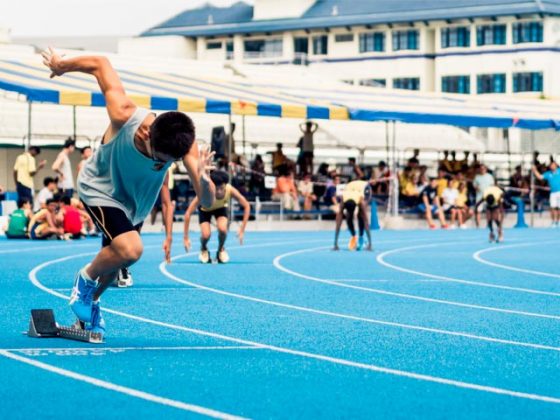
x=19 y=219
x=431 y=205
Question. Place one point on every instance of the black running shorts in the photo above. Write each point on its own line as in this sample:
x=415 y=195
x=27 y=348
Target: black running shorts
x=206 y=216
x=111 y=222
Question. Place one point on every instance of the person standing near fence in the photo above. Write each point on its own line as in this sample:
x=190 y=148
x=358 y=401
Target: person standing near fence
x=25 y=170
x=552 y=176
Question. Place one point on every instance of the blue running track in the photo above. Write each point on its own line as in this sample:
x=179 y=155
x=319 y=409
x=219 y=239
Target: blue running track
x=429 y=325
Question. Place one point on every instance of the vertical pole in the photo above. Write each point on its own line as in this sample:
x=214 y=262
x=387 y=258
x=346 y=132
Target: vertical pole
x=387 y=147
x=395 y=183
x=532 y=193
x=230 y=167
x=29 y=123
x=244 y=138
x=74 y=127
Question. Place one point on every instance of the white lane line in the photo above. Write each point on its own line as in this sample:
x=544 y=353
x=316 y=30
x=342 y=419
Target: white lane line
x=46 y=248
x=119 y=388
x=477 y=257
x=381 y=260
x=119 y=349
x=314 y=356
x=137 y=289
x=173 y=277
x=279 y=266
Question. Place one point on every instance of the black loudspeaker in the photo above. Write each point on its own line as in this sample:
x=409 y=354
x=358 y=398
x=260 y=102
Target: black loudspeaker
x=218 y=143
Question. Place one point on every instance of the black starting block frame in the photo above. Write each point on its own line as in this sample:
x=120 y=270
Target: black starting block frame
x=43 y=325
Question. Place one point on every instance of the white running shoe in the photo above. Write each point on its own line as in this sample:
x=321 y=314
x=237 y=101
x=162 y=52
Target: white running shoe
x=222 y=256
x=124 y=278
x=204 y=257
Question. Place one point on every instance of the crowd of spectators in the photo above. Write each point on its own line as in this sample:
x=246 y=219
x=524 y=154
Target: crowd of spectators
x=448 y=198
x=53 y=212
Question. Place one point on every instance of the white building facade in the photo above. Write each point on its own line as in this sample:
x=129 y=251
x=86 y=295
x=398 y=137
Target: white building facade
x=488 y=49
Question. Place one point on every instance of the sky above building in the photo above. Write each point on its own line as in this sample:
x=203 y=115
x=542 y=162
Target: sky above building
x=48 y=18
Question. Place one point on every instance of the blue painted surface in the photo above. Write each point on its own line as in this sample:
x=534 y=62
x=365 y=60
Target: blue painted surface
x=420 y=303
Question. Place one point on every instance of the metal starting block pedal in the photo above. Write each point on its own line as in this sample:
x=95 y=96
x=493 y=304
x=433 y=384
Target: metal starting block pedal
x=43 y=325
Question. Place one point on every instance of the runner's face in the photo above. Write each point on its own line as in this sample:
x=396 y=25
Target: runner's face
x=220 y=191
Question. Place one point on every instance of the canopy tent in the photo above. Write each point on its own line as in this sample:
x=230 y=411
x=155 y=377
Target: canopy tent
x=267 y=95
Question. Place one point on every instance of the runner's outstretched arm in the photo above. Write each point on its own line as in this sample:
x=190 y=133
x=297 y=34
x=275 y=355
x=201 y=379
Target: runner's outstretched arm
x=119 y=106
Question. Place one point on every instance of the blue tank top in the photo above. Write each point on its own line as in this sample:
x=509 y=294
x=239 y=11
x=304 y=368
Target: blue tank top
x=118 y=175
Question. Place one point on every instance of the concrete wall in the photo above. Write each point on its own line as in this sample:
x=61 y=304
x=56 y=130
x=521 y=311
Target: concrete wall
x=161 y=46
x=8 y=157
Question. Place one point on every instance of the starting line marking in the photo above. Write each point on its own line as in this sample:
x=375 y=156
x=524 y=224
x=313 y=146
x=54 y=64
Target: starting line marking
x=102 y=351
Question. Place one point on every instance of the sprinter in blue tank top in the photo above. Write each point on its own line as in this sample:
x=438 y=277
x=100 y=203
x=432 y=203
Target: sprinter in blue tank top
x=120 y=183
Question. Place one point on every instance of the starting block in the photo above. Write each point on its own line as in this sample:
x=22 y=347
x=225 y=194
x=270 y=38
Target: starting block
x=43 y=325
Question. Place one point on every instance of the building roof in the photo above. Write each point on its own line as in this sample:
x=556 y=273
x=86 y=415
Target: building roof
x=210 y=20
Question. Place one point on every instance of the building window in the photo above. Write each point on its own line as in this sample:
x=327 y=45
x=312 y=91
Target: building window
x=527 y=32
x=344 y=38
x=491 y=83
x=373 y=82
x=456 y=37
x=405 y=40
x=528 y=82
x=321 y=45
x=257 y=48
x=370 y=42
x=408 y=83
x=214 y=45
x=229 y=50
x=491 y=35
x=301 y=45
x=456 y=84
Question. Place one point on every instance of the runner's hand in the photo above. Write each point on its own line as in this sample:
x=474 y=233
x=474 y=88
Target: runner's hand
x=240 y=235
x=167 y=249
x=187 y=243
x=53 y=61
x=205 y=160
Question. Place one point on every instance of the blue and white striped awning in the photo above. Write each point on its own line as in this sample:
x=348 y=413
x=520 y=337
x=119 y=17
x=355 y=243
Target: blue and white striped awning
x=173 y=91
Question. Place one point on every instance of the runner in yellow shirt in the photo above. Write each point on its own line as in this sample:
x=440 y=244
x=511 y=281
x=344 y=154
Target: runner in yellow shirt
x=354 y=196
x=224 y=192
x=494 y=198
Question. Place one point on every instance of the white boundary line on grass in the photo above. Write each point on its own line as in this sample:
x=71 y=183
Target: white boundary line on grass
x=334 y=360
x=477 y=257
x=279 y=266
x=381 y=260
x=118 y=388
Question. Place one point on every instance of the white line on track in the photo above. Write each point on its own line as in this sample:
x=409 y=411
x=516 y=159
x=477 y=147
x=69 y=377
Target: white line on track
x=101 y=348
x=175 y=278
x=381 y=260
x=279 y=266
x=46 y=248
x=477 y=257
x=118 y=388
x=314 y=356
